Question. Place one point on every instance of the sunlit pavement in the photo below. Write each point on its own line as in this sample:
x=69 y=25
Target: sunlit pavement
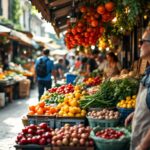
x=10 y=120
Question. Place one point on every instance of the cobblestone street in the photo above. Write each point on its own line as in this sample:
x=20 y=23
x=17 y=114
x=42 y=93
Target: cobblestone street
x=10 y=120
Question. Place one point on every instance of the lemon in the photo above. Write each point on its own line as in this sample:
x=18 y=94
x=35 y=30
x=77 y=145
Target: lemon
x=134 y=96
x=78 y=115
x=72 y=110
x=129 y=106
x=128 y=98
x=77 y=87
x=65 y=115
x=124 y=106
x=61 y=113
x=77 y=95
x=70 y=114
x=83 y=112
x=73 y=103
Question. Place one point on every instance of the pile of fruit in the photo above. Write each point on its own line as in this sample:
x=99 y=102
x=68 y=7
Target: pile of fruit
x=77 y=135
x=90 y=27
x=42 y=109
x=32 y=134
x=129 y=103
x=64 y=89
x=93 y=81
x=109 y=134
x=70 y=106
x=104 y=114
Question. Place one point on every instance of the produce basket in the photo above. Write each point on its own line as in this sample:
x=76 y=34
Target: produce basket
x=33 y=147
x=73 y=148
x=61 y=121
x=50 y=120
x=111 y=144
x=124 y=113
x=102 y=123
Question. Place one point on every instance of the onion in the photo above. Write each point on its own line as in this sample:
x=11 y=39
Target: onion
x=58 y=142
x=84 y=135
x=65 y=141
x=53 y=143
x=71 y=144
x=54 y=138
x=74 y=135
x=82 y=142
x=75 y=140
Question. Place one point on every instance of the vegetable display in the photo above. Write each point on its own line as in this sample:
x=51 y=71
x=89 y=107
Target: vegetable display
x=93 y=81
x=110 y=93
x=42 y=109
x=104 y=114
x=128 y=103
x=32 y=134
x=64 y=89
x=109 y=134
x=77 y=135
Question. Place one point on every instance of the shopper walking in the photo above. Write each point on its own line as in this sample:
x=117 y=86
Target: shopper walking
x=141 y=116
x=44 y=70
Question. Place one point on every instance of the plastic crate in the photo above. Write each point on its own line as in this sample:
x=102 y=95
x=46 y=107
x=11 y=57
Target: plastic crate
x=102 y=123
x=73 y=148
x=33 y=147
x=114 y=144
x=70 y=78
x=124 y=113
x=61 y=121
x=50 y=120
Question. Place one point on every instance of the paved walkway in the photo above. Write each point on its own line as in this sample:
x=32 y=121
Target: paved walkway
x=10 y=120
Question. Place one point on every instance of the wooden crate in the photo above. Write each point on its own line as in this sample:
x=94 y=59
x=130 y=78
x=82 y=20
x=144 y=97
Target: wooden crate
x=72 y=148
x=33 y=147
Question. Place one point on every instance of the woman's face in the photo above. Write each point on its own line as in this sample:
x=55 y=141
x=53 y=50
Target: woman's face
x=109 y=59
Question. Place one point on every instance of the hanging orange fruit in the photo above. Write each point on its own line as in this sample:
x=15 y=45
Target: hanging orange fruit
x=110 y=6
x=101 y=10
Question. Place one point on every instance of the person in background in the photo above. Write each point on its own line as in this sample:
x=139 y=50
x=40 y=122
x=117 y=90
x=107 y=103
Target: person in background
x=83 y=66
x=140 y=139
x=66 y=64
x=77 y=63
x=112 y=68
x=72 y=63
x=102 y=63
x=91 y=63
x=59 y=69
x=44 y=69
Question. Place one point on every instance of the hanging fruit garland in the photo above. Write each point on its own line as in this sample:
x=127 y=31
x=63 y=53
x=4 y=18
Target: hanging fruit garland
x=89 y=28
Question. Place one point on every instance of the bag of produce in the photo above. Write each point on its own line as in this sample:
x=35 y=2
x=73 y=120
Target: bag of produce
x=111 y=138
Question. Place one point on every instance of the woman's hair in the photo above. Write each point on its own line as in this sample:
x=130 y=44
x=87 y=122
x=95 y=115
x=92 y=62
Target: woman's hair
x=113 y=56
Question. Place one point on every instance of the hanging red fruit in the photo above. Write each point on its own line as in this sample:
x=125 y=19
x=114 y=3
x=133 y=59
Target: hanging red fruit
x=83 y=9
x=110 y=6
x=94 y=23
x=101 y=10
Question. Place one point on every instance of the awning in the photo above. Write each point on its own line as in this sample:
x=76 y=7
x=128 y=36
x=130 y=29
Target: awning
x=60 y=52
x=4 y=29
x=17 y=36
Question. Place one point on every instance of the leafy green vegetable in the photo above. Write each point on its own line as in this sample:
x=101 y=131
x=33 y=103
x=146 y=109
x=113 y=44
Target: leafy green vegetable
x=110 y=93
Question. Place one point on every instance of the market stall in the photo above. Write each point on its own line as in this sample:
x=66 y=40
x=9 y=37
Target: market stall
x=89 y=111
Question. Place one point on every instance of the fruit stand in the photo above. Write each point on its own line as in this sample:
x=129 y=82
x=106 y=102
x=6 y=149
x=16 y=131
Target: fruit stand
x=90 y=113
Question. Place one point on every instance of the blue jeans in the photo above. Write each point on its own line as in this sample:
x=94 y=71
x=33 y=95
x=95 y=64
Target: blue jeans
x=42 y=85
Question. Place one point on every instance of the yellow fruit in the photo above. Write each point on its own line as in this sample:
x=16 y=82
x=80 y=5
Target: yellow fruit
x=72 y=110
x=129 y=106
x=65 y=115
x=77 y=87
x=78 y=115
x=66 y=100
x=77 y=95
x=61 y=113
x=122 y=101
x=83 y=112
x=66 y=109
x=119 y=104
x=59 y=106
x=83 y=92
x=70 y=114
x=78 y=110
x=73 y=103
x=124 y=106
x=134 y=96
x=128 y=98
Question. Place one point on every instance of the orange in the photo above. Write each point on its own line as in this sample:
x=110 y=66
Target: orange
x=31 y=113
x=42 y=104
x=53 y=110
x=40 y=111
x=32 y=108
